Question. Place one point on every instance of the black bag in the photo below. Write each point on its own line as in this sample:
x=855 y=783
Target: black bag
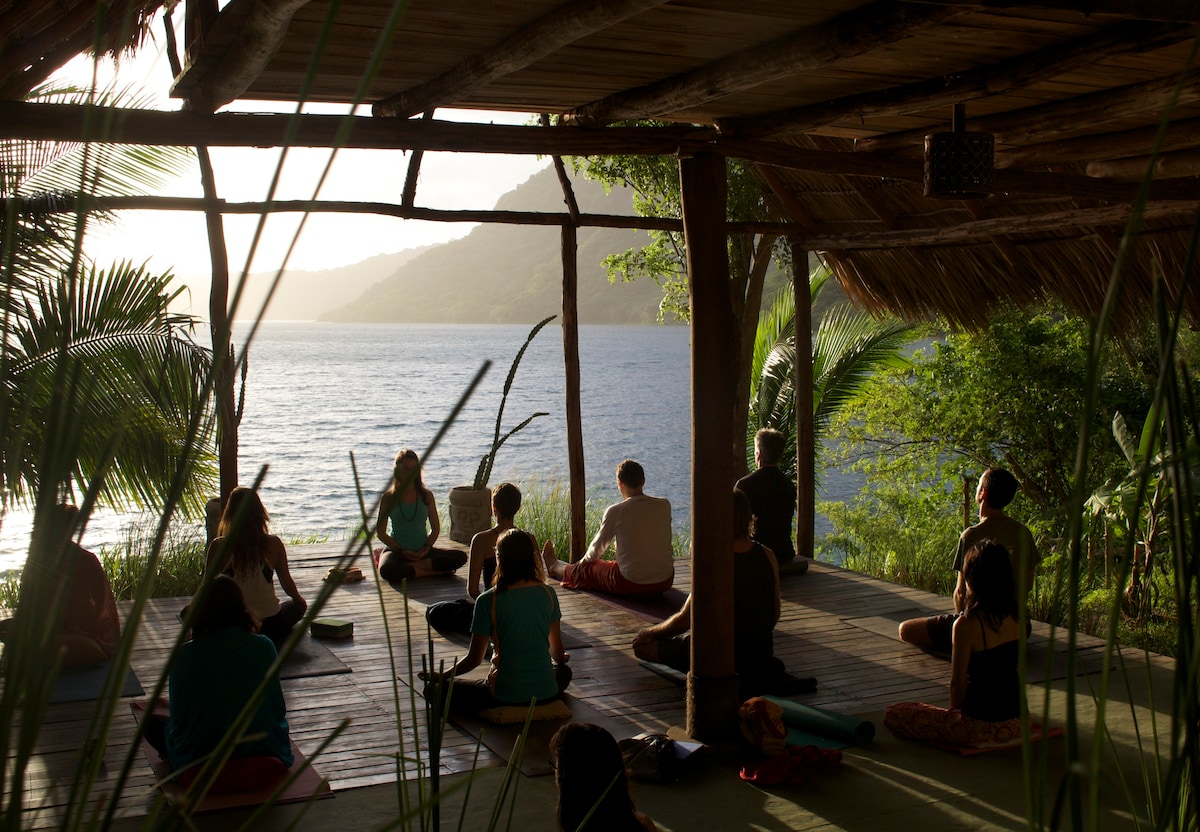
x=651 y=758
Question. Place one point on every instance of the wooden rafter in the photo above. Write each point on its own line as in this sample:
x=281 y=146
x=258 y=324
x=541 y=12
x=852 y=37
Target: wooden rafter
x=1168 y=11
x=949 y=89
x=543 y=37
x=1050 y=120
x=845 y=35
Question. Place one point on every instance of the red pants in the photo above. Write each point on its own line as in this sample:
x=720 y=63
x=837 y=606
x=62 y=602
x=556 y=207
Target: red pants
x=603 y=576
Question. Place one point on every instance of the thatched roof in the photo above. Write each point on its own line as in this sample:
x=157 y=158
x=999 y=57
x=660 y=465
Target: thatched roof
x=38 y=37
x=831 y=99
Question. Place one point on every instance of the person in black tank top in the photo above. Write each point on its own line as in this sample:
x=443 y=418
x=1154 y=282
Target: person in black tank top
x=985 y=689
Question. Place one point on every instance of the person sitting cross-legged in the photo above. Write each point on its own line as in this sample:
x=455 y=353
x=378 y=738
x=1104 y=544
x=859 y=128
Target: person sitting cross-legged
x=985 y=686
x=756 y=607
x=996 y=490
x=520 y=616
x=773 y=500
x=69 y=579
x=640 y=528
x=455 y=616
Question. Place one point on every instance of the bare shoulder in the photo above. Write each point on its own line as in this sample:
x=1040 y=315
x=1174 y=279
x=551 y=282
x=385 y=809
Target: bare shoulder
x=276 y=551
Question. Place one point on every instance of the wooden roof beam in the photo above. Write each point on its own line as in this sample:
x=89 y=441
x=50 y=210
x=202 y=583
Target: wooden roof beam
x=257 y=37
x=1166 y=11
x=1053 y=119
x=946 y=90
x=543 y=37
x=852 y=33
x=1101 y=146
x=1184 y=163
x=69 y=122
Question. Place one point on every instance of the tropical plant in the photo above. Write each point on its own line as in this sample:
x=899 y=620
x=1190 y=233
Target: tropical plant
x=849 y=347
x=654 y=181
x=101 y=342
x=484 y=472
x=130 y=373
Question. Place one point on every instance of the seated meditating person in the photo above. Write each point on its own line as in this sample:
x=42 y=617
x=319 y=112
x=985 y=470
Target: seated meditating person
x=213 y=678
x=455 y=616
x=985 y=685
x=756 y=607
x=640 y=528
x=592 y=784
x=64 y=576
x=409 y=507
x=773 y=500
x=245 y=550
x=520 y=616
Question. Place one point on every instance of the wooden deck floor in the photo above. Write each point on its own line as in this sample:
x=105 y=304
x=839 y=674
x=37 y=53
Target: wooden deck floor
x=859 y=672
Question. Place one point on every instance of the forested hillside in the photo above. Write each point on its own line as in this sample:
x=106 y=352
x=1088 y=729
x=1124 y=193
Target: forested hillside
x=513 y=274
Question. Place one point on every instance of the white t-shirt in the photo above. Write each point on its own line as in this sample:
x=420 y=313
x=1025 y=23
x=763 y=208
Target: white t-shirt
x=640 y=527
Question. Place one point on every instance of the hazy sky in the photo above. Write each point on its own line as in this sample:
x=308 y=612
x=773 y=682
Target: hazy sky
x=176 y=240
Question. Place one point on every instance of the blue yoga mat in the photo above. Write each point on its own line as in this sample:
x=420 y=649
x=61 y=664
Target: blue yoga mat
x=808 y=725
x=79 y=684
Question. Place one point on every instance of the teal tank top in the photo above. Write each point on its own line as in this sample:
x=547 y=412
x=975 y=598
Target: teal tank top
x=410 y=524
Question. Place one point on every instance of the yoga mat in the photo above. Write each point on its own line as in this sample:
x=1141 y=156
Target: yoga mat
x=501 y=740
x=827 y=725
x=1087 y=659
x=680 y=678
x=80 y=684
x=309 y=785
x=1036 y=734
x=311 y=658
x=652 y=608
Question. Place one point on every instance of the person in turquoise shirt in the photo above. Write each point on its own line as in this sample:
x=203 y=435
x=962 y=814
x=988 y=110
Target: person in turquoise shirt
x=521 y=616
x=214 y=677
x=410 y=510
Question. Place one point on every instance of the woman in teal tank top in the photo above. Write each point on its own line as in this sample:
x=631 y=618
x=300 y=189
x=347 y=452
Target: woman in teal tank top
x=410 y=510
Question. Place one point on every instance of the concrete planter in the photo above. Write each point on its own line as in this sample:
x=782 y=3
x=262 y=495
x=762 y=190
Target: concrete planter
x=470 y=512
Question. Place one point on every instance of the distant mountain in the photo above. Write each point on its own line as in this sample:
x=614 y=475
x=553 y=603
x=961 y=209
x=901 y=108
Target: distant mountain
x=513 y=274
x=301 y=295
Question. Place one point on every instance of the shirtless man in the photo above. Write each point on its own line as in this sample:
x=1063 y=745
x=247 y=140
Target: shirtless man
x=455 y=616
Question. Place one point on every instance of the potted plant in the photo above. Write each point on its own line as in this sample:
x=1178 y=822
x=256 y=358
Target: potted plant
x=471 y=505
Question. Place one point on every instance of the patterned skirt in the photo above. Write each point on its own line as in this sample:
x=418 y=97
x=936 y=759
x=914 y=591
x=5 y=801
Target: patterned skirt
x=929 y=723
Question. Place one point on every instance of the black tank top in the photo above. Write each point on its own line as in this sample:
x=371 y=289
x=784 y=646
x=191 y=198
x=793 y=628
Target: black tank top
x=993 y=684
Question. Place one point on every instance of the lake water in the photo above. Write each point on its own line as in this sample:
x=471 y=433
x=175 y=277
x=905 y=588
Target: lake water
x=316 y=393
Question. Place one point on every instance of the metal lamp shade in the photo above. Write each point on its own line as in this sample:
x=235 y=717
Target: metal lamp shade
x=958 y=165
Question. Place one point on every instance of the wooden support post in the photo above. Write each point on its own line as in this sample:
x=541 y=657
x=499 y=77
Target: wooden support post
x=574 y=407
x=806 y=448
x=219 y=325
x=712 y=694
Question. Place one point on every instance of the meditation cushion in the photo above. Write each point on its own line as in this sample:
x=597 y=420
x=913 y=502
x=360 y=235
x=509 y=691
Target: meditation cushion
x=509 y=714
x=762 y=726
x=244 y=774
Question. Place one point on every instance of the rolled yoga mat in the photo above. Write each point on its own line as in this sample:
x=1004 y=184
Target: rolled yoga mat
x=826 y=729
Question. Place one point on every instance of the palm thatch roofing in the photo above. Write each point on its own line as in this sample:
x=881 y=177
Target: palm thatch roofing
x=830 y=99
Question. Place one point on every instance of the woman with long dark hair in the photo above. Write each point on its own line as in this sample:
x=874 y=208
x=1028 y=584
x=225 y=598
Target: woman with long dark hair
x=985 y=686
x=590 y=774
x=215 y=675
x=410 y=509
x=246 y=551
x=520 y=616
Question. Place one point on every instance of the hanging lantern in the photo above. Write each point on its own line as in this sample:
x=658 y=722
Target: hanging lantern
x=958 y=164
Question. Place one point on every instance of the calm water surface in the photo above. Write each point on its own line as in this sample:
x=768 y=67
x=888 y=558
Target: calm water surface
x=316 y=393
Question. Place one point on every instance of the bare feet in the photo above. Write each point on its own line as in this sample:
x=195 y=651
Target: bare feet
x=554 y=567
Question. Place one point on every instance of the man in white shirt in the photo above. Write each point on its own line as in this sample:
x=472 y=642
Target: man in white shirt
x=640 y=527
